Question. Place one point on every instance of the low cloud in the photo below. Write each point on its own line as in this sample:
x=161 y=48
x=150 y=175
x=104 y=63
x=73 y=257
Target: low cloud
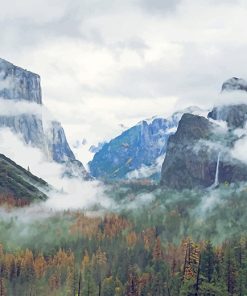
x=15 y=108
x=147 y=171
x=240 y=148
x=69 y=193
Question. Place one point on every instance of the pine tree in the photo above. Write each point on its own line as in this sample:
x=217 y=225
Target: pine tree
x=208 y=261
x=132 y=288
x=230 y=270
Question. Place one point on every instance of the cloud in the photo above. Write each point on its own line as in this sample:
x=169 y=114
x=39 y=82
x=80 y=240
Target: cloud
x=33 y=12
x=158 y=6
x=121 y=61
x=240 y=146
x=69 y=193
x=147 y=171
x=15 y=108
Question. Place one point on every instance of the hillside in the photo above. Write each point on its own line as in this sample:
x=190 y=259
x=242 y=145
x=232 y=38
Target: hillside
x=19 y=184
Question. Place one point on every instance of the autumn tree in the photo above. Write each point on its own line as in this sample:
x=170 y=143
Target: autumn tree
x=99 y=268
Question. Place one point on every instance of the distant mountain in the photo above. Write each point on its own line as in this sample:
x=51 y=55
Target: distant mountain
x=19 y=85
x=138 y=152
x=140 y=145
x=19 y=183
x=96 y=148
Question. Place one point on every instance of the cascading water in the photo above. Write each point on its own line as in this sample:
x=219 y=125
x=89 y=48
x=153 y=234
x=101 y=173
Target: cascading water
x=216 y=179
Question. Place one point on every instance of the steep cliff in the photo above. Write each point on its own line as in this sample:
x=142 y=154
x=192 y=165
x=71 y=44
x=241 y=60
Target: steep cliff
x=198 y=155
x=19 y=85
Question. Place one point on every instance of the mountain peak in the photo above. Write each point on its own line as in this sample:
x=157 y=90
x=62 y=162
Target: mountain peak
x=233 y=84
x=19 y=84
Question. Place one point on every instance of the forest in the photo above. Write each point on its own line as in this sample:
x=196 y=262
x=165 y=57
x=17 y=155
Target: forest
x=174 y=243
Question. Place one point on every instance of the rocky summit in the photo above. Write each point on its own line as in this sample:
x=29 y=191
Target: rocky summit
x=234 y=84
x=19 y=84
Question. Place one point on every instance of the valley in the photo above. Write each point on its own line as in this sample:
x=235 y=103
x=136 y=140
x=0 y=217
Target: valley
x=161 y=210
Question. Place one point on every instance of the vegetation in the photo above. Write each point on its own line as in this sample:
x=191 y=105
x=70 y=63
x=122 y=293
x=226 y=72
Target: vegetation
x=177 y=243
x=19 y=183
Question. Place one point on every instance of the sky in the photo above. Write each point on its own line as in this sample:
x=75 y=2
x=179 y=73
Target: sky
x=105 y=65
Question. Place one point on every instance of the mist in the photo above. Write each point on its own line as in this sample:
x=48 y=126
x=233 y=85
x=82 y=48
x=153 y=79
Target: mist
x=68 y=193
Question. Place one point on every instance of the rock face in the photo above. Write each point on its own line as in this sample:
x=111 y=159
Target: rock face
x=198 y=155
x=28 y=125
x=195 y=158
x=233 y=84
x=234 y=115
x=20 y=85
x=138 y=146
x=182 y=167
x=58 y=144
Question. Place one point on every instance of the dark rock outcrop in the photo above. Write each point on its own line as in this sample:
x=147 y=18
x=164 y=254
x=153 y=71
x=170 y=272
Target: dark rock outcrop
x=193 y=153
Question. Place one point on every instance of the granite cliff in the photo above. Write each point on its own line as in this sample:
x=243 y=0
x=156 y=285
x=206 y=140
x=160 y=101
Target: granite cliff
x=19 y=85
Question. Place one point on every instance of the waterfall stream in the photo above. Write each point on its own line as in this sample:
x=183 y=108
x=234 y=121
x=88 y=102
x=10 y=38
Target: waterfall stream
x=216 y=180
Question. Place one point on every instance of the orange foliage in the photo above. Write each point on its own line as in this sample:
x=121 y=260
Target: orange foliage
x=148 y=236
x=174 y=256
x=114 y=225
x=40 y=266
x=191 y=258
x=10 y=201
x=86 y=226
x=131 y=239
x=157 y=251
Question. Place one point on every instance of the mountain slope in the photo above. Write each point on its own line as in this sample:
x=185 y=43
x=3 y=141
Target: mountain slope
x=20 y=183
x=139 y=151
x=136 y=147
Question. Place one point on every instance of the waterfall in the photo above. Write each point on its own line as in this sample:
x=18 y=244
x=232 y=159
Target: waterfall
x=216 y=179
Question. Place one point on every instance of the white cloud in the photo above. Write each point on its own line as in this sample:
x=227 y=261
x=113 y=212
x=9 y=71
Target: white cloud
x=14 y=108
x=239 y=150
x=103 y=63
x=75 y=193
x=38 y=12
x=147 y=171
